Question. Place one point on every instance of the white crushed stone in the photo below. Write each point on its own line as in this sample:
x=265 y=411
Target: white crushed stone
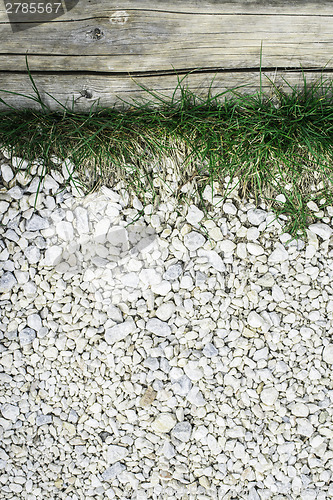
x=10 y=412
x=7 y=281
x=115 y=453
x=158 y=327
x=34 y=321
x=164 y=422
x=328 y=354
x=119 y=332
x=150 y=360
x=6 y=172
x=269 y=396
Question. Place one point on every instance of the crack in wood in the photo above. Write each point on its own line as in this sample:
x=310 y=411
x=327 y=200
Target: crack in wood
x=171 y=72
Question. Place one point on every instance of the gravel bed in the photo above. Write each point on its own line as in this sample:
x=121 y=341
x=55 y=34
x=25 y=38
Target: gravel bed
x=173 y=358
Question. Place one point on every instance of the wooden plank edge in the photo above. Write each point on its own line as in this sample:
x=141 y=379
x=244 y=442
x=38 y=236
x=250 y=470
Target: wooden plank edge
x=86 y=91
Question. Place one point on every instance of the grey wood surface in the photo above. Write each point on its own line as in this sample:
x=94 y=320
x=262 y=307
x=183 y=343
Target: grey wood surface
x=99 y=46
x=107 y=91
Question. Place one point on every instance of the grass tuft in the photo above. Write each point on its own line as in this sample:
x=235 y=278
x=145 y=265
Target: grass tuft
x=280 y=145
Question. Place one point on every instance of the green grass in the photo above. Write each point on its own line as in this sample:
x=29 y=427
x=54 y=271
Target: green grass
x=274 y=145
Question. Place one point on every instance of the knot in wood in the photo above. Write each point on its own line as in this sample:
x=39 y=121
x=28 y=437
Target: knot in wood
x=96 y=34
x=86 y=93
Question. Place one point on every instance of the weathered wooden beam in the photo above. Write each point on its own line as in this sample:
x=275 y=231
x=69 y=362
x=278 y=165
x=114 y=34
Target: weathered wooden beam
x=101 y=45
x=86 y=90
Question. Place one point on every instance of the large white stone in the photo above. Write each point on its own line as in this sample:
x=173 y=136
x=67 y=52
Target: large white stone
x=215 y=234
x=182 y=386
x=3 y=207
x=112 y=472
x=34 y=321
x=21 y=276
x=195 y=397
x=227 y=246
x=11 y=235
x=169 y=452
x=255 y=320
x=116 y=236
x=67 y=168
x=314 y=374
x=256 y=216
x=95 y=408
x=82 y=222
x=114 y=313
x=152 y=277
x=65 y=230
x=194 y=215
x=119 y=332
x=33 y=186
x=111 y=211
x=255 y=249
x=310 y=251
x=213 y=258
x=210 y=350
x=6 y=172
x=4 y=255
x=32 y=253
x=51 y=353
x=229 y=208
x=130 y=279
x=252 y=233
x=43 y=420
x=115 y=453
x=241 y=250
x=322 y=230
x=151 y=363
x=182 y=431
x=201 y=432
x=304 y=427
x=328 y=354
x=15 y=192
x=158 y=327
x=278 y=294
x=53 y=255
x=278 y=255
x=101 y=230
x=173 y=272
x=299 y=410
x=212 y=442
x=317 y=441
x=7 y=282
x=81 y=344
x=36 y=223
x=209 y=193
x=165 y=311
x=269 y=396
x=253 y=494
x=19 y=163
x=50 y=184
x=29 y=289
x=193 y=371
x=10 y=412
x=162 y=288
x=194 y=240
x=164 y=422
x=266 y=280
x=27 y=336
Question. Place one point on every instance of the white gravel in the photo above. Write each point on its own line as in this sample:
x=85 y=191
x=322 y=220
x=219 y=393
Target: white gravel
x=153 y=362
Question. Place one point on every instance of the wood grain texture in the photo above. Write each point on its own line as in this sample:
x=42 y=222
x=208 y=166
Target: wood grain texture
x=100 y=45
x=86 y=90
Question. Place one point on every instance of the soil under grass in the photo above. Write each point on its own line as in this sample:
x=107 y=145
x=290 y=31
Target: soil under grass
x=273 y=146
